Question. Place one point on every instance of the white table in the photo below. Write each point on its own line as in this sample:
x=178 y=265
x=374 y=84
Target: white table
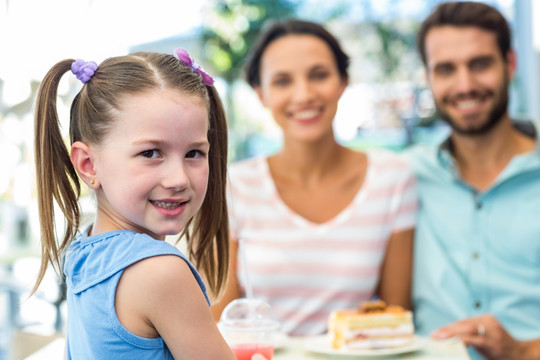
x=294 y=350
x=54 y=350
x=434 y=350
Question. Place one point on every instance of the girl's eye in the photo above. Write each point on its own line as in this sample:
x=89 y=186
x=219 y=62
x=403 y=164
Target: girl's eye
x=194 y=154
x=150 y=154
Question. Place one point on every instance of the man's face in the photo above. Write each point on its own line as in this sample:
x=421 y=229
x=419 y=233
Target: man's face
x=468 y=77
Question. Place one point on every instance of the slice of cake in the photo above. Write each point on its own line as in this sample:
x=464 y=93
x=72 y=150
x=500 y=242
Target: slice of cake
x=373 y=325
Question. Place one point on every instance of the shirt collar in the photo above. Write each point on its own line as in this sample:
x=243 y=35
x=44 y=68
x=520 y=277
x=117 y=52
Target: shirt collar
x=446 y=148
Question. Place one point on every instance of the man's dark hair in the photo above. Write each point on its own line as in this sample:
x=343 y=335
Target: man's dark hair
x=463 y=14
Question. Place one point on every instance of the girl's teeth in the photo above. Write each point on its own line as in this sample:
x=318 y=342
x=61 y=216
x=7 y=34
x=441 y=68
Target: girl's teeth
x=166 y=205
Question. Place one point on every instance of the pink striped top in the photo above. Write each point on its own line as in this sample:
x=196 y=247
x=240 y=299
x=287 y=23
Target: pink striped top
x=303 y=269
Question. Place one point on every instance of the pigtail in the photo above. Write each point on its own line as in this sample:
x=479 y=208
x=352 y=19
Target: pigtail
x=56 y=177
x=211 y=226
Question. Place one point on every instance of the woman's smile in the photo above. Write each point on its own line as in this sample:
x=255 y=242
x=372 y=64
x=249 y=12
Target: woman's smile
x=306 y=115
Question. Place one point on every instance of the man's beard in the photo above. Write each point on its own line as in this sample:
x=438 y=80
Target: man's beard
x=493 y=118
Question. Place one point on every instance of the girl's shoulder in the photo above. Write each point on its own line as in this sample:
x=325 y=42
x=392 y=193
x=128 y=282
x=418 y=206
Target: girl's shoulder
x=92 y=259
x=147 y=290
x=159 y=271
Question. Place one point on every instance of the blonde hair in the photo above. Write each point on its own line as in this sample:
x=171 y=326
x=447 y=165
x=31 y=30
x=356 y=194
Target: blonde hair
x=207 y=233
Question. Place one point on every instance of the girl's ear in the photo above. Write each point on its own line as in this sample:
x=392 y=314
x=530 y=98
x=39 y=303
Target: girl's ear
x=82 y=159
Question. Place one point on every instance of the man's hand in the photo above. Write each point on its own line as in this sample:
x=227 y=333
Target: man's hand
x=489 y=338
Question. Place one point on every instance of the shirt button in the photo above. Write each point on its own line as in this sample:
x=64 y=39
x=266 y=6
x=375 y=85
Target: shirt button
x=477 y=304
x=475 y=255
x=478 y=205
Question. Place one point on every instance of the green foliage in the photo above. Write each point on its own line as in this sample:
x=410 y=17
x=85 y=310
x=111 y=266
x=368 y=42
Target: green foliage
x=231 y=27
x=394 y=42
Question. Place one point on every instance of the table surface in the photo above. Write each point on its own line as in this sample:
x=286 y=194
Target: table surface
x=294 y=350
x=433 y=350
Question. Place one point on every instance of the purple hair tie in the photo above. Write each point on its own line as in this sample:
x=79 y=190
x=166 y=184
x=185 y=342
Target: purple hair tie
x=83 y=70
x=186 y=59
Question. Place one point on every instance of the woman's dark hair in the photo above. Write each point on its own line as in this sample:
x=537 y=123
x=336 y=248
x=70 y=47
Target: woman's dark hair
x=463 y=14
x=283 y=28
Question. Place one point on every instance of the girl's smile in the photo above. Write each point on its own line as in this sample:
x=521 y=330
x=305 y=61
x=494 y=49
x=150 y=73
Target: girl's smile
x=170 y=208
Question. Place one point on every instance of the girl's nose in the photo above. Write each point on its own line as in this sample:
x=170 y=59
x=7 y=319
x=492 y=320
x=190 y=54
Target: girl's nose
x=175 y=176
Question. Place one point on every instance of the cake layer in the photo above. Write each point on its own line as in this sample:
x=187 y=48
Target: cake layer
x=353 y=319
x=380 y=332
x=377 y=327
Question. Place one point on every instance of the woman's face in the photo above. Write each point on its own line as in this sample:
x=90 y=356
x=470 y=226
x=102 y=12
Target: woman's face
x=301 y=86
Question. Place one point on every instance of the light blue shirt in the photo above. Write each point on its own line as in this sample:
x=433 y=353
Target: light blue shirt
x=93 y=267
x=477 y=252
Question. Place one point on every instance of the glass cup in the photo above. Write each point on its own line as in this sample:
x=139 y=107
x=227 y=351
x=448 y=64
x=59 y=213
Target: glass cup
x=249 y=327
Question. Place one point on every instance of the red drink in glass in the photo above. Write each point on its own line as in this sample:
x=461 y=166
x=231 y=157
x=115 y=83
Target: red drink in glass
x=246 y=351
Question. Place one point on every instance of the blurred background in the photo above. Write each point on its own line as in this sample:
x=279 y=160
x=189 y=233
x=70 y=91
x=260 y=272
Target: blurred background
x=386 y=105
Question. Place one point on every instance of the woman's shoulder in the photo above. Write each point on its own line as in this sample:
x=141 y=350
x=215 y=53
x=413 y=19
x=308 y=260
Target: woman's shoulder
x=248 y=170
x=388 y=159
x=247 y=164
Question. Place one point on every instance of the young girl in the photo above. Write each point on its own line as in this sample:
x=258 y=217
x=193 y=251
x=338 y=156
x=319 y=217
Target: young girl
x=148 y=135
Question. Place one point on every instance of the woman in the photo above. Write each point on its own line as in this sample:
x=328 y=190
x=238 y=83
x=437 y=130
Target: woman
x=319 y=226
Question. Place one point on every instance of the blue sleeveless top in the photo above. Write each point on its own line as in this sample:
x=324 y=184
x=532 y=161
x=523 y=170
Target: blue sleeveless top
x=93 y=266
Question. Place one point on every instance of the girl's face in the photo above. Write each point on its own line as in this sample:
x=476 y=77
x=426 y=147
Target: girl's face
x=301 y=85
x=153 y=166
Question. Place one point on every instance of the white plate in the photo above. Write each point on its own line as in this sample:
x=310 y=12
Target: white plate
x=280 y=340
x=321 y=344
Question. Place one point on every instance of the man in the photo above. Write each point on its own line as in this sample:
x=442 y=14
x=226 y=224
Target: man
x=477 y=246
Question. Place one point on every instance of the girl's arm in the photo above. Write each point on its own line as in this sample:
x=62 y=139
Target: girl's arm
x=232 y=290
x=160 y=296
x=395 y=282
